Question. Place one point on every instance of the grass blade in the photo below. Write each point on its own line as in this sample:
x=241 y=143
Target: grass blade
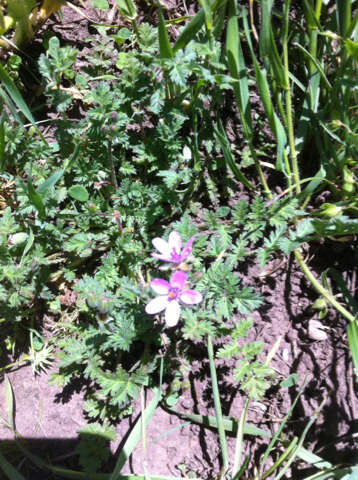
x=317 y=64
x=352 y=334
x=190 y=30
x=9 y=470
x=217 y=405
x=17 y=99
x=208 y=15
x=135 y=435
x=264 y=92
x=224 y=143
x=15 y=95
x=282 y=424
x=239 y=439
x=301 y=440
x=10 y=403
x=237 y=69
x=230 y=424
x=267 y=45
x=165 y=49
x=2 y=141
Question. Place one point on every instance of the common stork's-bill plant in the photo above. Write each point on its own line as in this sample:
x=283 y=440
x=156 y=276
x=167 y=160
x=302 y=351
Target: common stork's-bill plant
x=170 y=295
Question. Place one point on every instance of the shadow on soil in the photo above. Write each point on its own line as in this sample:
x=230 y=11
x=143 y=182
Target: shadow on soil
x=43 y=459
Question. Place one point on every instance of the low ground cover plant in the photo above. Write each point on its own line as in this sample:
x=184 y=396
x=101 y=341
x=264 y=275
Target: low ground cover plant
x=117 y=227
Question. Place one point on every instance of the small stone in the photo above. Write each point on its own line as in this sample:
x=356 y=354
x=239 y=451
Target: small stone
x=316 y=330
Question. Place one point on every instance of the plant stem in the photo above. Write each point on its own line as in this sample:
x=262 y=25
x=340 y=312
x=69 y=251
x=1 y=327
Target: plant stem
x=239 y=439
x=111 y=165
x=320 y=289
x=290 y=131
x=217 y=404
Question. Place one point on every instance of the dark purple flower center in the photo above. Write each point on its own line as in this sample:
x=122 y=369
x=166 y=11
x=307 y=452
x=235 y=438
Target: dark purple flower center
x=173 y=293
x=175 y=257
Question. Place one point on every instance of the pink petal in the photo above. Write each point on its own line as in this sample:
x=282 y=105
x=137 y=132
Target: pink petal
x=160 y=286
x=172 y=313
x=157 y=305
x=178 y=279
x=162 y=246
x=191 y=297
x=165 y=258
x=187 y=248
x=174 y=241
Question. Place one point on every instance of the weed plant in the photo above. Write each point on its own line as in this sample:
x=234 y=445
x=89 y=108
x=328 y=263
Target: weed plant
x=138 y=151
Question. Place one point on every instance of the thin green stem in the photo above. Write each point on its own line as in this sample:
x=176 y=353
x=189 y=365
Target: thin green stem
x=259 y=169
x=320 y=289
x=239 y=439
x=14 y=364
x=290 y=130
x=217 y=404
x=111 y=165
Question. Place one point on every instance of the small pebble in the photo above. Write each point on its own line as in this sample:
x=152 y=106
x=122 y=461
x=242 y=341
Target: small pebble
x=316 y=330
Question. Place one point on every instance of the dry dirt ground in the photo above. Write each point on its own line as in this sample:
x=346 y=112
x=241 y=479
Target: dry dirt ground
x=48 y=422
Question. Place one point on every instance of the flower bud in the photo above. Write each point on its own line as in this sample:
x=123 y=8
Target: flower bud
x=18 y=238
x=175 y=386
x=104 y=305
x=330 y=210
x=319 y=304
x=91 y=300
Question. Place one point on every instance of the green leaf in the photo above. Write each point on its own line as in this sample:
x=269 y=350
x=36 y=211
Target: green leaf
x=127 y=8
x=35 y=198
x=224 y=143
x=9 y=470
x=190 y=30
x=135 y=435
x=290 y=381
x=165 y=49
x=10 y=403
x=100 y=4
x=78 y=193
x=238 y=70
x=15 y=95
x=352 y=334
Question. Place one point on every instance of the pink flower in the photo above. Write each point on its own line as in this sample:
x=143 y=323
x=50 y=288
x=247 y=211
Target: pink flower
x=171 y=251
x=170 y=293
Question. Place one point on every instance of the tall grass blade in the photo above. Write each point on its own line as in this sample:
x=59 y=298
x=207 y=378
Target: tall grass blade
x=208 y=15
x=219 y=21
x=282 y=424
x=316 y=62
x=264 y=92
x=237 y=69
x=4 y=97
x=267 y=44
x=165 y=50
x=344 y=10
x=2 y=141
x=10 y=472
x=135 y=435
x=230 y=424
x=189 y=31
x=240 y=439
x=16 y=97
x=217 y=404
x=281 y=458
x=301 y=440
x=224 y=143
x=352 y=334
x=10 y=403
